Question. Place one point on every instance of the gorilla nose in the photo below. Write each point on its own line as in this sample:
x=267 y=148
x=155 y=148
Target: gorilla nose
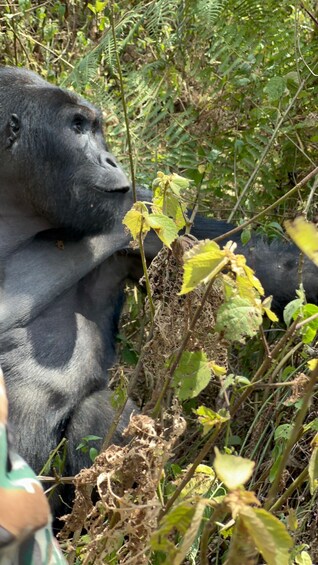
x=116 y=180
x=111 y=161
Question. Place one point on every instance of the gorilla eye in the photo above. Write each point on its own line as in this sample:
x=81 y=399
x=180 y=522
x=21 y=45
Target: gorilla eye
x=78 y=123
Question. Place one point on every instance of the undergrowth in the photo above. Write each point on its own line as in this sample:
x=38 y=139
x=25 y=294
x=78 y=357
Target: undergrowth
x=222 y=464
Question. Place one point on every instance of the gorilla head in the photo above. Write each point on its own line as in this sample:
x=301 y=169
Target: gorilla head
x=53 y=157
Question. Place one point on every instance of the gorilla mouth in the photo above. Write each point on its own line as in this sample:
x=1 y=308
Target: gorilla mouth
x=119 y=189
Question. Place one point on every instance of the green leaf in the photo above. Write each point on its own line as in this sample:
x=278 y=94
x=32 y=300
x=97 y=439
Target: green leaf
x=305 y=235
x=201 y=263
x=238 y=318
x=269 y=535
x=275 y=88
x=179 y=183
x=208 y=418
x=93 y=452
x=291 y=308
x=190 y=534
x=164 y=227
x=233 y=471
x=169 y=205
x=283 y=432
x=185 y=519
x=309 y=330
x=246 y=236
x=99 y=6
x=192 y=375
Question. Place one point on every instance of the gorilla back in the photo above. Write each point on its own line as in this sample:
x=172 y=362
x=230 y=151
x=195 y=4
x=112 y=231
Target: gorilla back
x=59 y=303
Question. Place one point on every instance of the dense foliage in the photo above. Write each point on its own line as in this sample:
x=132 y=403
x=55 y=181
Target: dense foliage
x=222 y=92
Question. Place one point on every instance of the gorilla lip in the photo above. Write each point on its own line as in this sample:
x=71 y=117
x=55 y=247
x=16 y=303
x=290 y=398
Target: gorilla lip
x=123 y=189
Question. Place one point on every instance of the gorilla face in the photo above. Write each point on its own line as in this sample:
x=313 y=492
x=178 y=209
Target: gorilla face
x=55 y=153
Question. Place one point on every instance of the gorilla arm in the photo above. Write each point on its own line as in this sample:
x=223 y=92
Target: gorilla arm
x=47 y=269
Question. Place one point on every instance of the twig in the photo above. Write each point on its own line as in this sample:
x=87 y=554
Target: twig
x=299 y=185
x=293 y=437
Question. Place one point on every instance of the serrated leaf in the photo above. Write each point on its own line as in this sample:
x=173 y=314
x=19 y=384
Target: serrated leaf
x=232 y=470
x=179 y=183
x=208 y=418
x=164 y=227
x=134 y=220
x=313 y=471
x=269 y=535
x=238 y=318
x=305 y=235
x=169 y=205
x=275 y=88
x=201 y=263
x=192 y=375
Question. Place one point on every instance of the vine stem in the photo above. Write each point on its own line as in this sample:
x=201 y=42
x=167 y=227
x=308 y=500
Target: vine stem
x=266 y=150
x=264 y=367
x=122 y=94
x=293 y=437
x=297 y=186
x=201 y=455
x=295 y=484
x=186 y=338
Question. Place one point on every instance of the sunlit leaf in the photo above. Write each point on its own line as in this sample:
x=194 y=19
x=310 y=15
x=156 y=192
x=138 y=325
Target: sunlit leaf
x=303 y=558
x=232 y=470
x=269 y=535
x=218 y=370
x=208 y=418
x=305 y=235
x=164 y=227
x=134 y=220
x=192 y=375
x=312 y=364
x=201 y=263
x=238 y=319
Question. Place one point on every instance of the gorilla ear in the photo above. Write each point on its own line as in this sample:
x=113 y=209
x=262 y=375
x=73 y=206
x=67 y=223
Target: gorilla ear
x=13 y=129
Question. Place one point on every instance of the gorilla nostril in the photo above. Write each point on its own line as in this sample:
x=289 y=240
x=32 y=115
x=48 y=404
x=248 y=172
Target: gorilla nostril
x=111 y=162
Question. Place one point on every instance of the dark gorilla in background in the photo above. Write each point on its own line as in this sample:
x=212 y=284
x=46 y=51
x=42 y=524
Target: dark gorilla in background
x=59 y=304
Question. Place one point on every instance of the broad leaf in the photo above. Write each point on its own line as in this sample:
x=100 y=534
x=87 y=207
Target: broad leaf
x=164 y=227
x=238 y=318
x=305 y=235
x=134 y=220
x=233 y=471
x=269 y=535
x=201 y=263
x=192 y=375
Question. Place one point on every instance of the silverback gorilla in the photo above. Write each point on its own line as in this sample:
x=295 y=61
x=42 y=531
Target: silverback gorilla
x=59 y=304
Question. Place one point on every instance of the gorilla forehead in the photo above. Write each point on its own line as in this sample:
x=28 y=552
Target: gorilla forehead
x=21 y=88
